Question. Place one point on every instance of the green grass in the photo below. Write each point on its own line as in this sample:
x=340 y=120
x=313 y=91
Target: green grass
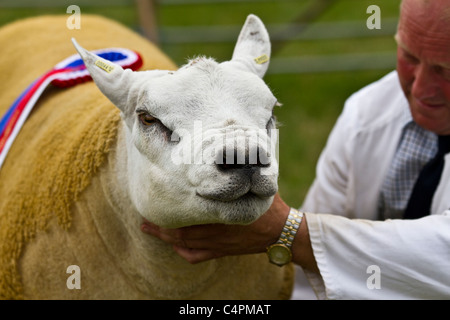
x=311 y=102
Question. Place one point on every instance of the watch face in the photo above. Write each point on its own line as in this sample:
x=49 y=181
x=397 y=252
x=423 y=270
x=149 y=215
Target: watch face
x=279 y=254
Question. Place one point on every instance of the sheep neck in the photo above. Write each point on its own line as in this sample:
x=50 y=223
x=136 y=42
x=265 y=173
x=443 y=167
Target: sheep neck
x=150 y=264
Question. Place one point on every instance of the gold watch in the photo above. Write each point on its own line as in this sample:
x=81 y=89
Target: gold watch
x=280 y=252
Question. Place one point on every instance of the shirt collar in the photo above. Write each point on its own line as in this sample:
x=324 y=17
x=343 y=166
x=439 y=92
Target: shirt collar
x=408 y=123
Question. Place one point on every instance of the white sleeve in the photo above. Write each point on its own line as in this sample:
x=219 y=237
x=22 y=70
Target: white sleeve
x=392 y=259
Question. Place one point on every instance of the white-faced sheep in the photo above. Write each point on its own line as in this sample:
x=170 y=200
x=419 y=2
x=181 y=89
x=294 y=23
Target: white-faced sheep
x=83 y=173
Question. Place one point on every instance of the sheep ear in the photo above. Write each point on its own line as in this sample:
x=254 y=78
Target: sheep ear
x=112 y=80
x=252 y=50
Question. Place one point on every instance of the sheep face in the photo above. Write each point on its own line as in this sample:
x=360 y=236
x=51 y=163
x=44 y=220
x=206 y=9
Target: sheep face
x=201 y=141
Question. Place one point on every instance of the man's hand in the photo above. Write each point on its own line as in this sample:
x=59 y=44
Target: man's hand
x=204 y=242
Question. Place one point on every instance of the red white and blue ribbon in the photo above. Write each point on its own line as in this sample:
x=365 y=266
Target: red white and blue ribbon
x=67 y=73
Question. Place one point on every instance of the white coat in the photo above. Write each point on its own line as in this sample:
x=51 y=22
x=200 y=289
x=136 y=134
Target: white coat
x=360 y=258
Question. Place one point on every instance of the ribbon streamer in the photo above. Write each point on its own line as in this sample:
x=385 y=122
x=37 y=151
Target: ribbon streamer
x=67 y=73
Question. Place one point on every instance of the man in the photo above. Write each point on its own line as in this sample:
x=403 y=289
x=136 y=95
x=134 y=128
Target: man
x=369 y=170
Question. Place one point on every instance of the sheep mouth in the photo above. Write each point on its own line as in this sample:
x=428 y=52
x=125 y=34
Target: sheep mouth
x=236 y=200
x=241 y=210
x=230 y=198
x=241 y=191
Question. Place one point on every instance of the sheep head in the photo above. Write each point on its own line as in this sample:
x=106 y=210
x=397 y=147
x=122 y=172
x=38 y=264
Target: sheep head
x=201 y=141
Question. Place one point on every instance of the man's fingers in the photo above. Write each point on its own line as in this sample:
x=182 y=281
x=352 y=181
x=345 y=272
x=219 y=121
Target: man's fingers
x=206 y=232
x=194 y=256
x=171 y=236
x=195 y=237
x=187 y=249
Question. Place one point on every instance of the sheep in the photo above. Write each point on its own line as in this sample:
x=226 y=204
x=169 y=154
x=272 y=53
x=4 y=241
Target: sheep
x=93 y=161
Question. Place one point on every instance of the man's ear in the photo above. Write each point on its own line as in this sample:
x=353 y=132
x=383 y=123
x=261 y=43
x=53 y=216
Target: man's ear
x=112 y=80
x=252 y=50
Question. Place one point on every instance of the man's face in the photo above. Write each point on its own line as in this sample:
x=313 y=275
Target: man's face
x=423 y=62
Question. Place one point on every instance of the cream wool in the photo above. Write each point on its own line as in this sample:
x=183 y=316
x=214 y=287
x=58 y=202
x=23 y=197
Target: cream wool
x=64 y=192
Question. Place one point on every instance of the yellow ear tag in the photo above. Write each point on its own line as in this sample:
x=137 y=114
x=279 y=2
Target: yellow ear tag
x=102 y=65
x=262 y=59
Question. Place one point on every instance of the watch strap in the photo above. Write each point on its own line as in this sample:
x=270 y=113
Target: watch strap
x=280 y=253
x=290 y=227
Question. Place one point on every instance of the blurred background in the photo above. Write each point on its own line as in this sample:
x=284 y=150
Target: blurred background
x=323 y=51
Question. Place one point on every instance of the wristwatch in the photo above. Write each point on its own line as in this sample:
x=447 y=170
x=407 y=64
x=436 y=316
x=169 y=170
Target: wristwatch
x=280 y=252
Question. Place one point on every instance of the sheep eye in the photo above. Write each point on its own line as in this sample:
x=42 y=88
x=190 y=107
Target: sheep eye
x=146 y=119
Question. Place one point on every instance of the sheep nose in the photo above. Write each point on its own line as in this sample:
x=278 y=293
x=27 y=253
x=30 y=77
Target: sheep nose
x=237 y=159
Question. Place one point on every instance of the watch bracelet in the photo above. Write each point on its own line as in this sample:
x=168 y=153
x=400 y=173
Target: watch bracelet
x=291 y=227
